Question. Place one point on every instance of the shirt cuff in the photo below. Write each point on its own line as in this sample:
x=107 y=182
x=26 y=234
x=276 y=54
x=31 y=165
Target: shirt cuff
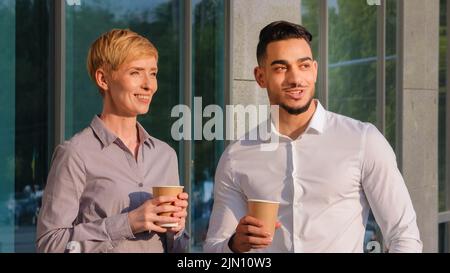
x=178 y=242
x=118 y=227
x=180 y=233
x=226 y=248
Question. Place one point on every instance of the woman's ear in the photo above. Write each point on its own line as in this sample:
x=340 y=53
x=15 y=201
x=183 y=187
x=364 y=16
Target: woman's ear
x=100 y=79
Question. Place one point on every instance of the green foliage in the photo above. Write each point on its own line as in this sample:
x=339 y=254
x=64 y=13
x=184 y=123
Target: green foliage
x=352 y=37
x=208 y=73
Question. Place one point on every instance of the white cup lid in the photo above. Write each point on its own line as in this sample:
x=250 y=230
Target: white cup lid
x=168 y=186
x=263 y=201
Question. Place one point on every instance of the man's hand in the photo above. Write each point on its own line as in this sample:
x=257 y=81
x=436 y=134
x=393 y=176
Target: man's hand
x=250 y=235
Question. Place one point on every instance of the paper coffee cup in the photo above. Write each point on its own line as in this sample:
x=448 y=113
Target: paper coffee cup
x=167 y=191
x=266 y=211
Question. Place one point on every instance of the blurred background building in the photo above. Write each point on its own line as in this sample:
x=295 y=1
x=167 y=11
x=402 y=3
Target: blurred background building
x=385 y=64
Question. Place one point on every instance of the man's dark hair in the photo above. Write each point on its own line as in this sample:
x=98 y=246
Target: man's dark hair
x=277 y=31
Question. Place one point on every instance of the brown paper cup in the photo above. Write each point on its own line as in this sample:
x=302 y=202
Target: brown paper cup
x=266 y=211
x=167 y=191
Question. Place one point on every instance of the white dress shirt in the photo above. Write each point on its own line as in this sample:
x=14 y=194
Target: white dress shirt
x=326 y=181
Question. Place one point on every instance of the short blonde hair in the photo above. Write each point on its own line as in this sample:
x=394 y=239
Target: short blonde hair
x=116 y=47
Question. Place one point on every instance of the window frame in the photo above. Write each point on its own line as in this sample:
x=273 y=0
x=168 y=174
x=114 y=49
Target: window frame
x=444 y=216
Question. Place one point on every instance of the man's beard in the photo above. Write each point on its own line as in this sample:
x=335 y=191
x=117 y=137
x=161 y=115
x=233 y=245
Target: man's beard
x=296 y=111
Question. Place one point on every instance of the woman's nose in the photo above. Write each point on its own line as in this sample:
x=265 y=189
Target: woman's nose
x=146 y=83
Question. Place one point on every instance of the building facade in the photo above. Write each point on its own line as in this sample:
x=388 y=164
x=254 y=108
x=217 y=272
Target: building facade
x=383 y=62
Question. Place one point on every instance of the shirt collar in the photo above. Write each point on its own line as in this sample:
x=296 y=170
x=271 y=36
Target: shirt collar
x=316 y=124
x=144 y=136
x=318 y=119
x=107 y=137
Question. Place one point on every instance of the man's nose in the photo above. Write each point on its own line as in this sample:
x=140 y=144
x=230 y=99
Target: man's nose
x=295 y=78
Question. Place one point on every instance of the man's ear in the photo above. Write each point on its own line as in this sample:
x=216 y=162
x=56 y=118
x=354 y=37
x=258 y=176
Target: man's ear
x=100 y=79
x=259 y=76
x=315 y=67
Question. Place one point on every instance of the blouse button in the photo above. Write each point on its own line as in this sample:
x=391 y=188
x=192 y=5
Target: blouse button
x=141 y=185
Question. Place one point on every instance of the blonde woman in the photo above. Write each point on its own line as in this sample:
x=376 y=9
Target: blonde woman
x=98 y=193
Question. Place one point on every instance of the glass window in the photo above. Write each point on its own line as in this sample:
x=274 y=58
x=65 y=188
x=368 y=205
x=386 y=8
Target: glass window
x=352 y=59
x=157 y=20
x=208 y=84
x=26 y=118
x=353 y=72
x=310 y=20
x=444 y=190
x=442 y=105
x=160 y=21
x=443 y=238
x=7 y=124
x=391 y=71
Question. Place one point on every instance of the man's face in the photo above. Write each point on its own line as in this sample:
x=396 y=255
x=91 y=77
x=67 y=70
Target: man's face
x=131 y=87
x=289 y=74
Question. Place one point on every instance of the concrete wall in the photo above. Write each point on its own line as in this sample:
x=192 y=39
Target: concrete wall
x=418 y=111
x=249 y=17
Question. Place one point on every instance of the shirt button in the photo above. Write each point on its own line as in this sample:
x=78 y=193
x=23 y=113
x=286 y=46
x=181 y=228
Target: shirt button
x=141 y=185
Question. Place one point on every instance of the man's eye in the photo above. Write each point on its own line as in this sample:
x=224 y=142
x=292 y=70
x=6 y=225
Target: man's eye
x=305 y=66
x=134 y=73
x=280 y=68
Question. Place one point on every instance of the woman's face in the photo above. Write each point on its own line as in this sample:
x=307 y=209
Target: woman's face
x=131 y=87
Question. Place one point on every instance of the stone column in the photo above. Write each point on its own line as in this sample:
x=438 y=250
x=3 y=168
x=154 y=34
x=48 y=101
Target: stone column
x=417 y=101
x=249 y=17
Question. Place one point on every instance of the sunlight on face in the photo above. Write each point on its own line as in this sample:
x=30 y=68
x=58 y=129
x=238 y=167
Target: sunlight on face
x=131 y=87
x=289 y=74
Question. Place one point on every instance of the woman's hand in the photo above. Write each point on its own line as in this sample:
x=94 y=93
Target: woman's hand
x=145 y=217
x=182 y=203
